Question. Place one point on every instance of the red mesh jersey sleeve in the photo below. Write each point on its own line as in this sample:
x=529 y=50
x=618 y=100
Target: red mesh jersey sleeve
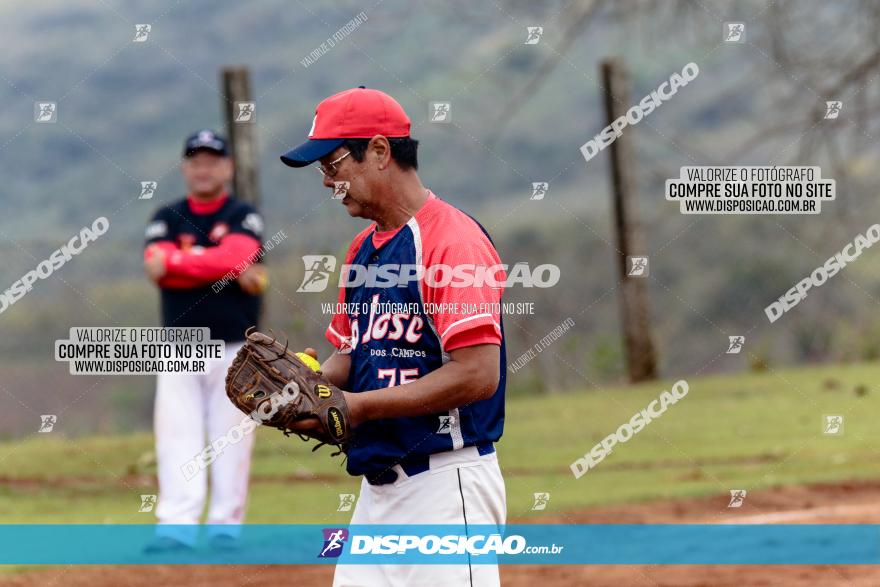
x=463 y=295
x=212 y=263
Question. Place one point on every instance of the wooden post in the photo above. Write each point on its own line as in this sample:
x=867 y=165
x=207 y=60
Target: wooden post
x=242 y=135
x=242 y=138
x=640 y=354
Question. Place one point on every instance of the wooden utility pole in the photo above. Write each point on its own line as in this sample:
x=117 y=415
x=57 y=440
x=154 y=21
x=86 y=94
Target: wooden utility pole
x=241 y=131
x=640 y=354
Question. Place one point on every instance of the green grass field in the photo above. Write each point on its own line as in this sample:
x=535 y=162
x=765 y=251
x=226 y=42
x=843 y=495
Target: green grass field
x=745 y=431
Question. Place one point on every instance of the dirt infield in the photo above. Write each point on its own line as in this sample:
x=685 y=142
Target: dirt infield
x=849 y=503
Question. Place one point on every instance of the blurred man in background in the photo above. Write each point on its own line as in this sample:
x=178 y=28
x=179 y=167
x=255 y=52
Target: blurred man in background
x=192 y=244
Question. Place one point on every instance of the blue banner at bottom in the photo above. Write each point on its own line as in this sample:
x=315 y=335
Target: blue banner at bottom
x=664 y=544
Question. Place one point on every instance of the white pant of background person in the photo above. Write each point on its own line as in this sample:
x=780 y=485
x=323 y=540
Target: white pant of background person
x=191 y=410
x=460 y=488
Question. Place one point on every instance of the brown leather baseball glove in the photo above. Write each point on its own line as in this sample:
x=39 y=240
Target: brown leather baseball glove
x=273 y=386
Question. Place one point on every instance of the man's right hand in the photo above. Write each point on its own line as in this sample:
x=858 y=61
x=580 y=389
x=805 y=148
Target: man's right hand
x=336 y=368
x=154 y=263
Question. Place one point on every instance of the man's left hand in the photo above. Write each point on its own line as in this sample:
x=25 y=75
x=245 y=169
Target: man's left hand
x=254 y=280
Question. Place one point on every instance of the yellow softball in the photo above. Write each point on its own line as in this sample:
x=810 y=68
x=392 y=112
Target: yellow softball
x=310 y=361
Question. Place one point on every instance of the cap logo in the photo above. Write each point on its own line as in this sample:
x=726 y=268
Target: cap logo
x=312 y=130
x=206 y=136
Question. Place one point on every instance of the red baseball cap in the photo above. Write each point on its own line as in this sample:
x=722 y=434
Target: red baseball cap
x=358 y=113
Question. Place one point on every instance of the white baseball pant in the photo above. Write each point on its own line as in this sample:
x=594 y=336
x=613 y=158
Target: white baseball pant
x=192 y=410
x=461 y=488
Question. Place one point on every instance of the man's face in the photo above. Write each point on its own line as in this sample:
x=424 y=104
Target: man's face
x=359 y=176
x=205 y=172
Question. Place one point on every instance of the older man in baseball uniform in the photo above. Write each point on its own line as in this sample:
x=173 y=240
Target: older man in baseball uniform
x=192 y=244
x=425 y=383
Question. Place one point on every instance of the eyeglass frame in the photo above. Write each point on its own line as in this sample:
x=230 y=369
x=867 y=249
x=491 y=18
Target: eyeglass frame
x=325 y=170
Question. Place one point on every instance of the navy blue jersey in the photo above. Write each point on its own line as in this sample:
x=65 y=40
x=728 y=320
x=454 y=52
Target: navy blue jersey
x=205 y=242
x=398 y=334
